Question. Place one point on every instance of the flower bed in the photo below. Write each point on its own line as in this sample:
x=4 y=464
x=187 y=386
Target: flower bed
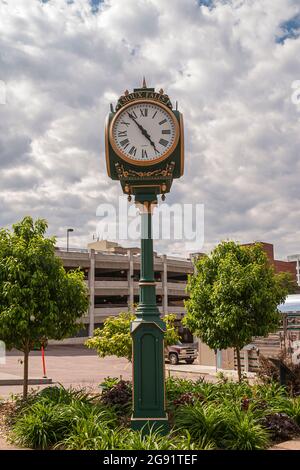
x=226 y=415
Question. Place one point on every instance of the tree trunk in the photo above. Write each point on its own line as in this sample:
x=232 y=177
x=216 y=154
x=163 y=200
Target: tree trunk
x=239 y=368
x=25 y=377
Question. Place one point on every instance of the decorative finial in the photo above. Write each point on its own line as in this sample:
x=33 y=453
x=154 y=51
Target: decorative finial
x=161 y=91
x=126 y=92
x=144 y=83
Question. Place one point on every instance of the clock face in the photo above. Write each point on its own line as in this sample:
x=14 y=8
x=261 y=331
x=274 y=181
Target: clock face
x=144 y=133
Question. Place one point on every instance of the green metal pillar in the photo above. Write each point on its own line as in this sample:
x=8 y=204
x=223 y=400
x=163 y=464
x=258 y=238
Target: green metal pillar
x=149 y=408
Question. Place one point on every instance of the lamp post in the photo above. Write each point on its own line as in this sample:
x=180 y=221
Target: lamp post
x=68 y=231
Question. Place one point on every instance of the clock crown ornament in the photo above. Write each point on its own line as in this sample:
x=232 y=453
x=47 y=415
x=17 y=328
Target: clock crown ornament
x=144 y=141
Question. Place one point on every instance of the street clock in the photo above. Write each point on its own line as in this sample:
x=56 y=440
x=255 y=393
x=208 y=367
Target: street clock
x=144 y=142
x=145 y=151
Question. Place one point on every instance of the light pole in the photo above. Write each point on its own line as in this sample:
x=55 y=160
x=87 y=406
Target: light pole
x=68 y=231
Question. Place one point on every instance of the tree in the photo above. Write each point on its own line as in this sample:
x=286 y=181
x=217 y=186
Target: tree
x=114 y=339
x=38 y=299
x=234 y=295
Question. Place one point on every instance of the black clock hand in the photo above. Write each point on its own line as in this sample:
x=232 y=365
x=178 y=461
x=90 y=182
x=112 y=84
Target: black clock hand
x=144 y=132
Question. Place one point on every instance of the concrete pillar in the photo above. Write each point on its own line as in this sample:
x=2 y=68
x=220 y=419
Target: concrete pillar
x=92 y=292
x=130 y=274
x=165 y=285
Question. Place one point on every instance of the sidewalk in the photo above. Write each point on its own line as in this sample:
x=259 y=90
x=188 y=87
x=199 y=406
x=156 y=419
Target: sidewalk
x=208 y=372
x=287 y=445
x=12 y=379
x=4 y=445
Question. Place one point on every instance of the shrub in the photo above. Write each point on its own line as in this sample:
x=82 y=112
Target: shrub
x=280 y=426
x=204 y=423
x=79 y=411
x=40 y=426
x=62 y=395
x=56 y=413
x=108 y=383
x=188 y=398
x=92 y=428
x=242 y=431
x=292 y=409
x=119 y=395
x=90 y=435
x=137 y=440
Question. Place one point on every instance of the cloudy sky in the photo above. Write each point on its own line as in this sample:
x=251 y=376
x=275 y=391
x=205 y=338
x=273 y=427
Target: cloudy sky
x=232 y=66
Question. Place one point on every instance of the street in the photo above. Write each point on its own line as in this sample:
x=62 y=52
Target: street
x=67 y=365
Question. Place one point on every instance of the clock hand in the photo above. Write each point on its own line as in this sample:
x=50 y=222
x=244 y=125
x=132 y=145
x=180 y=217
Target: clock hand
x=144 y=132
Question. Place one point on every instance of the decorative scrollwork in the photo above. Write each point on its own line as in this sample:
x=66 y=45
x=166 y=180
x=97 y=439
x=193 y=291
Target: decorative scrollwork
x=166 y=172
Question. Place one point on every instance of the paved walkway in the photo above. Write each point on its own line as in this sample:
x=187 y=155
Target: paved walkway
x=194 y=371
x=287 y=445
x=4 y=445
x=68 y=365
x=79 y=366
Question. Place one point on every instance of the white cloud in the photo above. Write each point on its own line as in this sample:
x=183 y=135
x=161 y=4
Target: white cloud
x=62 y=65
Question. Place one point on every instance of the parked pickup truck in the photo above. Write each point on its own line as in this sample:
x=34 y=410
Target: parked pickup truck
x=181 y=352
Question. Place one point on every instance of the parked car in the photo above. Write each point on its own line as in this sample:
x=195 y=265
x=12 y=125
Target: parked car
x=187 y=352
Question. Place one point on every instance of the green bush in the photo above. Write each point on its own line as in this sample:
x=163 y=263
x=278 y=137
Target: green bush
x=242 y=431
x=61 y=395
x=138 y=440
x=56 y=414
x=92 y=428
x=291 y=407
x=40 y=426
x=108 y=383
x=204 y=422
x=224 y=426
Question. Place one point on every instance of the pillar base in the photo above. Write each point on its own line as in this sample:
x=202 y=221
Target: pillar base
x=160 y=425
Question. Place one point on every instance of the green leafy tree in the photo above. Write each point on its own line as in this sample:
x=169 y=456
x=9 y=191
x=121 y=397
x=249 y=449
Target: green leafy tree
x=38 y=299
x=114 y=338
x=234 y=295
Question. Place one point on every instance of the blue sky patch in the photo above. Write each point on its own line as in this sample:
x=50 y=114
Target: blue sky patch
x=206 y=3
x=95 y=4
x=289 y=29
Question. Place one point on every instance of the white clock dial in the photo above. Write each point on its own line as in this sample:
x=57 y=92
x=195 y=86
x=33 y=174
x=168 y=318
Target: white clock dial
x=144 y=132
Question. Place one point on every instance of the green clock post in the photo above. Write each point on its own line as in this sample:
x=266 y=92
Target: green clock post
x=144 y=148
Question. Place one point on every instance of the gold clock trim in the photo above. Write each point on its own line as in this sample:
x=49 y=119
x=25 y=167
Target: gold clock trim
x=107 y=146
x=138 y=162
x=181 y=145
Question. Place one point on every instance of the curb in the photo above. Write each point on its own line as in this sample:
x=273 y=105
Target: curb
x=18 y=381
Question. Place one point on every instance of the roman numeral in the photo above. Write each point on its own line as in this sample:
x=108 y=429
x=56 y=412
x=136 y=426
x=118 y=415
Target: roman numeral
x=125 y=123
x=144 y=153
x=133 y=113
x=122 y=133
x=167 y=131
x=154 y=115
x=163 y=142
x=124 y=143
x=132 y=151
x=162 y=122
x=144 y=112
